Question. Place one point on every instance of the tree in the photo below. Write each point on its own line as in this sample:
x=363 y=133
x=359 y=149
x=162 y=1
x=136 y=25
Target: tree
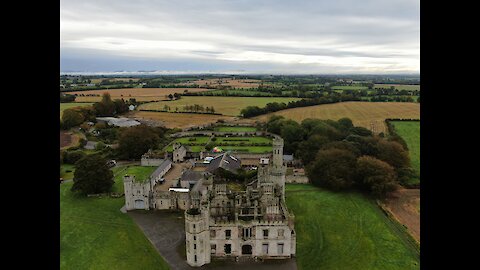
x=333 y=168
x=106 y=107
x=135 y=141
x=376 y=175
x=308 y=149
x=92 y=175
x=71 y=118
x=120 y=106
x=393 y=153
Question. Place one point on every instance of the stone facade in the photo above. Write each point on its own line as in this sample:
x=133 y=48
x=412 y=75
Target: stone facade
x=220 y=222
x=179 y=152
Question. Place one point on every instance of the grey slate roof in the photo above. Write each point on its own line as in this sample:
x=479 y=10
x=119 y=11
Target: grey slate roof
x=191 y=176
x=225 y=161
x=160 y=168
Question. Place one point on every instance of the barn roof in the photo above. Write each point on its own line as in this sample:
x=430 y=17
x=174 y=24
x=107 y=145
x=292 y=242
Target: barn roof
x=225 y=161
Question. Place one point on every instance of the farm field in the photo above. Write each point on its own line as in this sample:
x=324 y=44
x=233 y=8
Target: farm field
x=234 y=83
x=345 y=231
x=94 y=234
x=179 y=120
x=64 y=106
x=404 y=205
x=225 y=105
x=70 y=139
x=361 y=113
x=141 y=94
x=398 y=86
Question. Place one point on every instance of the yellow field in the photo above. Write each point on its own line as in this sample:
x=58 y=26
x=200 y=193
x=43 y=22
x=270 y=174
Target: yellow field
x=179 y=120
x=224 y=105
x=141 y=94
x=362 y=113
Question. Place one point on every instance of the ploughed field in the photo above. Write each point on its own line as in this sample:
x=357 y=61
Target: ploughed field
x=363 y=114
x=94 y=234
x=345 y=230
x=141 y=94
x=224 y=105
x=179 y=120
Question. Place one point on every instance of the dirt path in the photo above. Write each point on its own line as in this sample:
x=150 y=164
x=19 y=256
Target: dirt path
x=404 y=204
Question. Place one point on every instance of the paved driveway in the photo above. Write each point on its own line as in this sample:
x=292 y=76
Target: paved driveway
x=167 y=233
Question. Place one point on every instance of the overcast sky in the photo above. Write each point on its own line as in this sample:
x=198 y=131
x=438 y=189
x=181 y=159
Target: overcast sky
x=241 y=36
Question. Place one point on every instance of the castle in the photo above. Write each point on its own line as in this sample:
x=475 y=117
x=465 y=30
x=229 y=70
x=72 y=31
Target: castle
x=221 y=219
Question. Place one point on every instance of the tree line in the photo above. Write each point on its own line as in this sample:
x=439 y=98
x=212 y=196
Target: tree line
x=252 y=111
x=339 y=156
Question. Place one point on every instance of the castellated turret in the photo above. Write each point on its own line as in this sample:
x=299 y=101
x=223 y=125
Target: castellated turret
x=277 y=169
x=137 y=194
x=197 y=236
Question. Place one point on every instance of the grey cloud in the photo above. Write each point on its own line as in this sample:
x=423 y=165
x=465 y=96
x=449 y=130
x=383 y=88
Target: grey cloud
x=264 y=26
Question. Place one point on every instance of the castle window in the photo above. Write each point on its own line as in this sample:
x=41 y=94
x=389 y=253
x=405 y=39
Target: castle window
x=228 y=248
x=280 y=248
x=228 y=234
x=265 y=248
x=280 y=233
x=195 y=258
x=213 y=249
x=194 y=246
x=265 y=234
x=213 y=233
x=194 y=238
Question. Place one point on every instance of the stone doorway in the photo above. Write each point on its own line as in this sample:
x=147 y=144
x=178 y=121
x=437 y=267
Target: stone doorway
x=246 y=250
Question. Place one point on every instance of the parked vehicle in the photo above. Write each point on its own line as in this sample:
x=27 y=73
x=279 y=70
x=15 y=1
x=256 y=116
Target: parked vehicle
x=111 y=163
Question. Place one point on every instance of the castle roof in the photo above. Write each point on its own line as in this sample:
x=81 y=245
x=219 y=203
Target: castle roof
x=225 y=161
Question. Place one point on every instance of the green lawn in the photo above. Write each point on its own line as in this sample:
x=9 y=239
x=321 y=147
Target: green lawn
x=141 y=174
x=187 y=140
x=410 y=132
x=247 y=149
x=235 y=129
x=94 y=234
x=345 y=231
x=244 y=140
x=64 y=106
x=67 y=167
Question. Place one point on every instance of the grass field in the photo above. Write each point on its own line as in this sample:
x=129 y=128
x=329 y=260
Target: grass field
x=410 y=132
x=345 y=231
x=94 y=234
x=180 y=120
x=141 y=174
x=64 y=106
x=234 y=144
x=398 y=86
x=243 y=140
x=349 y=87
x=63 y=171
x=235 y=129
x=224 y=105
x=361 y=113
x=141 y=94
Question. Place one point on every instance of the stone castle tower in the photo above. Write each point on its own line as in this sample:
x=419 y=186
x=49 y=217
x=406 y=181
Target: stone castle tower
x=277 y=169
x=137 y=195
x=197 y=234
